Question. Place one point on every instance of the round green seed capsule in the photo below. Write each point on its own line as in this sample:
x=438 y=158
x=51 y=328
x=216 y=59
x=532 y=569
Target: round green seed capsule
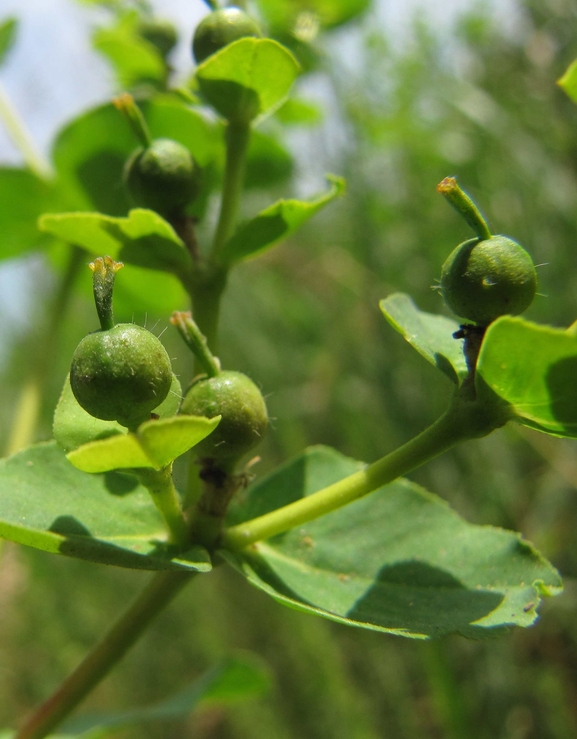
x=238 y=400
x=162 y=177
x=121 y=374
x=484 y=279
x=160 y=33
x=220 y=28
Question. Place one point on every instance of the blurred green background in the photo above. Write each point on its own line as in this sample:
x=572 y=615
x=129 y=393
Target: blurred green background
x=303 y=321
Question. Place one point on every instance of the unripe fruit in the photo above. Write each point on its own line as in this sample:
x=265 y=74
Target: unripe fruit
x=238 y=400
x=220 y=28
x=121 y=374
x=484 y=279
x=162 y=177
x=160 y=33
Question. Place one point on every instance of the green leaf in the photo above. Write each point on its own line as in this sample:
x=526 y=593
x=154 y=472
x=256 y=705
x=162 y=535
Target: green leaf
x=398 y=560
x=144 y=238
x=8 y=31
x=90 y=152
x=329 y=13
x=24 y=197
x=298 y=112
x=73 y=426
x=429 y=334
x=532 y=369
x=569 y=81
x=48 y=504
x=268 y=163
x=155 y=444
x=277 y=222
x=247 y=79
x=240 y=677
x=134 y=59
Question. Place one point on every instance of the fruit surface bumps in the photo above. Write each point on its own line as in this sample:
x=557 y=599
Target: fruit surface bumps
x=238 y=400
x=220 y=28
x=121 y=374
x=161 y=176
x=484 y=279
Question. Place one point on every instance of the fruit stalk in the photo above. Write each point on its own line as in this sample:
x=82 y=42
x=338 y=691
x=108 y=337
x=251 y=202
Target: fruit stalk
x=463 y=420
x=466 y=208
x=103 y=274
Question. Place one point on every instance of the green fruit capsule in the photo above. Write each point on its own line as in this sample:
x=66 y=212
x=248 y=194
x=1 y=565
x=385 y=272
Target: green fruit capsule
x=162 y=177
x=238 y=400
x=121 y=374
x=219 y=29
x=484 y=279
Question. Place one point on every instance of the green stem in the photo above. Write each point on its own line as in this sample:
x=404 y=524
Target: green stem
x=165 y=497
x=160 y=591
x=104 y=271
x=464 y=420
x=30 y=400
x=125 y=104
x=21 y=138
x=196 y=342
x=464 y=206
x=237 y=140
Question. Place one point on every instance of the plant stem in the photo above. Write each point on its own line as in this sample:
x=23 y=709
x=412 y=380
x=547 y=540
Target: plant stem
x=125 y=104
x=165 y=497
x=160 y=591
x=196 y=342
x=464 y=206
x=463 y=420
x=22 y=139
x=30 y=400
x=104 y=271
x=237 y=140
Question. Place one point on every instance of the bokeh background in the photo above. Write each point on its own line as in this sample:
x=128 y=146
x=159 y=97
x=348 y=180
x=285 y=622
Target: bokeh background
x=409 y=92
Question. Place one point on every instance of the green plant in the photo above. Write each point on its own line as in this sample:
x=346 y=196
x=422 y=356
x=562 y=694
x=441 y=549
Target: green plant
x=485 y=277
x=122 y=372
x=397 y=561
x=220 y=28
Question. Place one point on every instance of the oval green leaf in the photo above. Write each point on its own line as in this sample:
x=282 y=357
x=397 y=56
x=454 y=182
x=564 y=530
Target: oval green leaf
x=24 y=197
x=248 y=79
x=398 y=560
x=284 y=14
x=277 y=222
x=429 y=334
x=155 y=444
x=144 y=238
x=532 y=369
x=48 y=504
x=134 y=60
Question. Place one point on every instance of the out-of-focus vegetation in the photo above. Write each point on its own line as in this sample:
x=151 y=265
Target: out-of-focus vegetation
x=483 y=106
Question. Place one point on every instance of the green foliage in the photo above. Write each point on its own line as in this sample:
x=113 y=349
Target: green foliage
x=277 y=222
x=154 y=445
x=431 y=335
x=48 y=504
x=8 y=31
x=569 y=81
x=398 y=561
x=144 y=238
x=330 y=13
x=248 y=79
x=531 y=368
x=24 y=197
x=134 y=59
x=73 y=426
